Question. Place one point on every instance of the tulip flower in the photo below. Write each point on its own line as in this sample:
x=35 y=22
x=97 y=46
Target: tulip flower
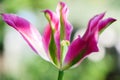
x=54 y=45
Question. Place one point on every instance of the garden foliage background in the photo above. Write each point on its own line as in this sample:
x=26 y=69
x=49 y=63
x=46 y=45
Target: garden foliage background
x=19 y=62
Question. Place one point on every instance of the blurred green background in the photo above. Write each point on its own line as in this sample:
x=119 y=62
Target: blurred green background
x=19 y=62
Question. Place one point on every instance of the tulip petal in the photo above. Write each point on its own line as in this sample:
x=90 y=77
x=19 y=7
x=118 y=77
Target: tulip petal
x=95 y=20
x=78 y=50
x=53 y=19
x=81 y=47
x=46 y=38
x=93 y=24
x=75 y=52
x=66 y=27
x=28 y=32
x=54 y=45
x=92 y=33
x=57 y=41
x=105 y=23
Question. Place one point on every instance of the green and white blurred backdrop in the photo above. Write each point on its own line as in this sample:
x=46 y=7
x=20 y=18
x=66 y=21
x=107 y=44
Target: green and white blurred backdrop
x=19 y=62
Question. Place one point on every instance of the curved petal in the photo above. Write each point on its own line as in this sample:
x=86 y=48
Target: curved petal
x=78 y=50
x=75 y=52
x=66 y=27
x=46 y=38
x=57 y=41
x=93 y=24
x=53 y=19
x=81 y=47
x=105 y=23
x=28 y=32
x=54 y=45
x=95 y=20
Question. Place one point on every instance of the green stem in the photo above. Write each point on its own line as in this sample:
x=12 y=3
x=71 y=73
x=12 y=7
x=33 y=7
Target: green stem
x=60 y=75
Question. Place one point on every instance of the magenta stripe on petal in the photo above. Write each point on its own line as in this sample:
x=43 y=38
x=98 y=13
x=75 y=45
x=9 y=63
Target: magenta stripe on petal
x=68 y=30
x=46 y=37
x=79 y=49
x=86 y=44
x=57 y=41
x=29 y=33
x=94 y=21
x=74 y=49
x=93 y=24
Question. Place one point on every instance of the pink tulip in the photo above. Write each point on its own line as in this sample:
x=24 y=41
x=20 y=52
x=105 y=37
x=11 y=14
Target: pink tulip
x=54 y=45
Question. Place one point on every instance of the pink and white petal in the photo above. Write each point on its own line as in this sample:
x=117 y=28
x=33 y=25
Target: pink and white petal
x=62 y=11
x=93 y=24
x=96 y=24
x=54 y=24
x=53 y=19
x=57 y=41
x=28 y=32
x=46 y=37
x=79 y=49
x=95 y=20
x=91 y=43
x=74 y=53
x=62 y=7
x=68 y=30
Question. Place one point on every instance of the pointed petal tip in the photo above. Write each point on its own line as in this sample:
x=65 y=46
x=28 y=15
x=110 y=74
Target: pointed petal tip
x=45 y=11
x=113 y=19
x=8 y=18
x=5 y=15
x=48 y=12
x=1 y=14
x=62 y=3
x=102 y=14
